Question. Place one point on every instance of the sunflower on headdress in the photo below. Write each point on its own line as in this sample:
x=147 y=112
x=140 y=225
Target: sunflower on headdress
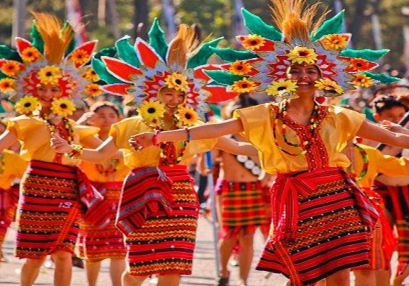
x=334 y=42
x=10 y=68
x=30 y=54
x=301 y=55
x=151 y=111
x=253 y=42
x=240 y=68
x=7 y=84
x=244 y=85
x=28 y=104
x=187 y=116
x=93 y=89
x=282 y=87
x=177 y=81
x=358 y=65
x=80 y=57
x=49 y=75
x=362 y=80
x=329 y=86
x=62 y=107
x=91 y=75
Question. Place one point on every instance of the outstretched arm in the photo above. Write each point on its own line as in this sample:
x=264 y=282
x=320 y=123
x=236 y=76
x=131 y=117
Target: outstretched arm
x=375 y=133
x=234 y=147
x=7 y=139
x=105 y=151
x=207 y=131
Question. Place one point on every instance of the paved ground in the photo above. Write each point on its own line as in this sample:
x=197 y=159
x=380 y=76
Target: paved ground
x=203 y=271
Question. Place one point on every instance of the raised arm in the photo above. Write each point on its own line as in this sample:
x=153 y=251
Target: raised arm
x=105 y=151
x=375 y=133
x=206 y=131
x=234 y=147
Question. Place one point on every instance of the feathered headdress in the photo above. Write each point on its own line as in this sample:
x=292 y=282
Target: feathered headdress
x=270 y=51
x=50 y=59
x=143 y=69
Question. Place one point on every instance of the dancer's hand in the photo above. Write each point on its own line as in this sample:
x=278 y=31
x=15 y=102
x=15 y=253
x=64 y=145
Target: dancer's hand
x=141 y=141
x=59 y=144
x=393 y=127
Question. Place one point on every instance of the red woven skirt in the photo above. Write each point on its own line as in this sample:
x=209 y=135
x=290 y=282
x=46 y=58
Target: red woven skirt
x=397 y=203
x=8 y=207
x=321 y=225
x=96 y=244
x=165 y=242
x=48 y=210
x=243 y=207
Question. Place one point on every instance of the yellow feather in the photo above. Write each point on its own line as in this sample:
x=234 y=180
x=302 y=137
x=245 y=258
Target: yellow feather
x=181 y=47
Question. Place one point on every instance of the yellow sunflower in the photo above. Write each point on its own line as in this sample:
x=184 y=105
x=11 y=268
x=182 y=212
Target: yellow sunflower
x=93 y=89
x=30 y=54
x=334 y=42
x=329 y=86
x=151 y=110
x=302 y=55
x=187 y=116
x=240 y=68
x=362 y=80
x=91 y=75
x=253 y=42
x=7 y=84
x=27 y=104
x=80 y=57
x=10 y=68
x=244 y=85
x=177 y=81
x=62 y=107
x=49 y=75
x=282 y=87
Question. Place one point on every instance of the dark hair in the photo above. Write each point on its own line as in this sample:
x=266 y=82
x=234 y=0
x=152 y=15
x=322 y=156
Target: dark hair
x=100 y=105
x=386 y=102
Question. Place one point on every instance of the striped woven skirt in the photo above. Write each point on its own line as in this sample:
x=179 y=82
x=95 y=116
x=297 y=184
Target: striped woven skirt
x=165 y=243
x=8 y=207
x=397 y=203
x=48 y=210
x=95 y=244
x=243 y=207
x=321 y=225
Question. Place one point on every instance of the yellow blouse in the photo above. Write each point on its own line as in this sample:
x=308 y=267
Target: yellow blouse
x=338 y=126
x=378 y=163
x=112 y=170
x=149 y=157
x=34 y=136
x=13 y=167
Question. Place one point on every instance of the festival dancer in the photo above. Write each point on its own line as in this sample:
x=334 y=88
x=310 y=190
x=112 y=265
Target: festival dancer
x=158 y=209
x=46 y=77
x=321 y=220
x=394 y=190
x=240 y=205
x=12 y=168
x=96 y=244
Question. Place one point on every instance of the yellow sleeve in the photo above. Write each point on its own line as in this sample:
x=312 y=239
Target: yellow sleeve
x=348 y=122
x=25 y=127
x=123 y=130
x=84 y=131
x=390 y=165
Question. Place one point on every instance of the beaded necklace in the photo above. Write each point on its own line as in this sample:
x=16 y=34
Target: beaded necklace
x=282 y=113
x=2 y=167
x=365 y=166
x=65 y=130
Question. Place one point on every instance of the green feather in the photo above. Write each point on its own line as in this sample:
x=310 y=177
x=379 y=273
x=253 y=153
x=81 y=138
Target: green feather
x=9 y=53
x=72 y=45
x=366 y=54
x=203 y=54
x=99 y=67
x=230 y=55
x=223 y=77
x=333 y=25
x=157 y=39
x=257 y=26
x=105 y=52
x=126 y=52
x=37 y=39
x=2 y=75
x=382 y=78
